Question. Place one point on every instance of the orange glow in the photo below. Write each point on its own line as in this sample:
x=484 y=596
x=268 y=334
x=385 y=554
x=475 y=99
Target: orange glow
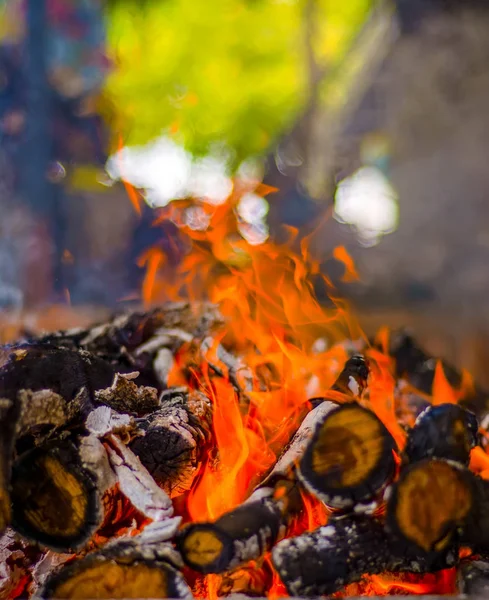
x=341 y=254
x=479 y=462
x=130 y=189
x=443 y=392
x=273 y=323
x=441 y=582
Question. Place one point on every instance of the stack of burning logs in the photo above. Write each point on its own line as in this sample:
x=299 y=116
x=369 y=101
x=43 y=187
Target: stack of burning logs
x=96 y=448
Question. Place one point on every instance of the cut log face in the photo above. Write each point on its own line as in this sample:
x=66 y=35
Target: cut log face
x=143 y=566
x=445 y=431
x=350 y=459
x=234 y=539
x=55 y=500
x=427 y=505
x=98 y=576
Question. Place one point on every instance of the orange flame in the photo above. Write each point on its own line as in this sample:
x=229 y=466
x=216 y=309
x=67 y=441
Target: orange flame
x=130 y=189
x=286 y=351
x=443 y=392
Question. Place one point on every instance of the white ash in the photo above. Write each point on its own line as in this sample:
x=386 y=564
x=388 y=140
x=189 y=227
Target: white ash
x=243 y=549
x=163 y=364
x=94 y=457
x=353 y=386
x=137 y=484
x=104 y=420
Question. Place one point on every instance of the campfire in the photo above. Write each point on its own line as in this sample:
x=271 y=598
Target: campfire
x=237 y=436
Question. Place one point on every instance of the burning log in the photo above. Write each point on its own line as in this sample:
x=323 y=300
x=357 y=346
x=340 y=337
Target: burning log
x=444 y=431
x=55 y=499
x=473 y=578
x=350 y=459
x=252 y=529
x=323 y=561
x=145 y=566
x=175 y=439
x=435 y=502
x=353 y=379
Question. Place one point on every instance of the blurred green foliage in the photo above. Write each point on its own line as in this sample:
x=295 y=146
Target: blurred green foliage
x=229 y=72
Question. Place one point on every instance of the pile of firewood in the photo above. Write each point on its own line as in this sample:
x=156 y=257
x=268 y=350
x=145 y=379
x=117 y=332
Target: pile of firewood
x=97 y=450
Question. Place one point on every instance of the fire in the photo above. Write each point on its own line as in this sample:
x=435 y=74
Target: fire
x=443 y=392
x=273 y=321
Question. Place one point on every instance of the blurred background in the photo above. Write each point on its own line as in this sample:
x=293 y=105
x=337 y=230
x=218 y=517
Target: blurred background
x=369 y=116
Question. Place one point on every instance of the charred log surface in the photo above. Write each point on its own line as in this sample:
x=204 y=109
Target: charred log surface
x=55 y=499
x=234 y=539
x=445 y=431
x=243 y=534
x=175 y=439
x=125 y=396
x=436 y=501
x=473 y=578
x=350 y=458
x=42 y=367
x=133 y=341
x=145 y=566
x=323 y=561
x=353 y=379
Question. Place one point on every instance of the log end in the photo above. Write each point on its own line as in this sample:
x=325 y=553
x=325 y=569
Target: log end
x=54 y=499
x=350 y=457
x=205 y=548
x=99 y=577
x=430 y=501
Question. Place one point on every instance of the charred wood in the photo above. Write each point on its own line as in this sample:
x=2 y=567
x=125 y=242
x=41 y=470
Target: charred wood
x=444 y=431
x=175 y=440
x=418 y=368
x=436 y=502
x=350 y=459
x=55 y=498
x=323 y=561
x=125 y=396
x=145 y=566
x=353 y=379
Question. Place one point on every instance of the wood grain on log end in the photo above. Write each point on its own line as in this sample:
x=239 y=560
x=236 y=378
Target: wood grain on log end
x=98 y=576
x=429 y=502
x=55 y=499
x=350 y=458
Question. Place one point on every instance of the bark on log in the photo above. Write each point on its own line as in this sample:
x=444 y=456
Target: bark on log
x=175 y=439
x=436 y=502
x=145 y=566
x=55 y=498
x=350 y=459
x=323 y=561
x=252 y=529
x=444 y=431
